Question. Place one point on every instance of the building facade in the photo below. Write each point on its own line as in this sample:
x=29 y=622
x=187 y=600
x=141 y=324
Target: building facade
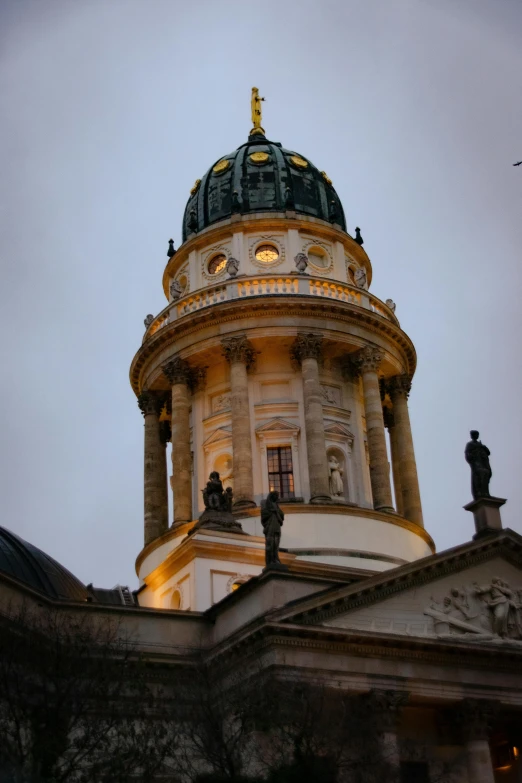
x=274 y=366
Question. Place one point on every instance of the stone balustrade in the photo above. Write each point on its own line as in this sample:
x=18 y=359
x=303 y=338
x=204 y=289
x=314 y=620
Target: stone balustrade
x=268 y=285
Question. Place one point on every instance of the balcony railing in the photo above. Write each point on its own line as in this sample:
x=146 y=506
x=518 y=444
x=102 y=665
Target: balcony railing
x=268 y=285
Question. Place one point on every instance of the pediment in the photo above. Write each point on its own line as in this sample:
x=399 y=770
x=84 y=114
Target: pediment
x=277 y=425
x=222 y=433
x=471 y=593
x=337 y=429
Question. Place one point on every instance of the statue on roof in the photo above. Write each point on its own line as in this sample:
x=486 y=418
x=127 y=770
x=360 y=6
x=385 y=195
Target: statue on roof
x=257 y=113
x=477 y=456
x=272 y=520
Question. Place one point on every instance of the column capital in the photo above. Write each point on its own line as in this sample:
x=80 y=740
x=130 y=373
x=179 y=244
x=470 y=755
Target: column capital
x=368 y=358
x=177 y=370
x=307 y=346
x=476 y=717
x=398 y=386
x=150 y=403
x=198 y=378
x=238 y=349
x=384 y=706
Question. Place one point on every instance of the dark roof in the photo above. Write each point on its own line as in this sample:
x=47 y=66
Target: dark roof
x=280 y=180
x=28 y=564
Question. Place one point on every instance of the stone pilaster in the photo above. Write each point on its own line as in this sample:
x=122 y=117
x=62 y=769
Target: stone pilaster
x=475 y=717
x=306 y=350
x=399 y=388
x=178 y=374
x=367 y=362
x=389 y=423
x=155 y=488
x=241 y=355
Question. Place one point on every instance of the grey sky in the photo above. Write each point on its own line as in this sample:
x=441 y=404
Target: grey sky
x=112 y=108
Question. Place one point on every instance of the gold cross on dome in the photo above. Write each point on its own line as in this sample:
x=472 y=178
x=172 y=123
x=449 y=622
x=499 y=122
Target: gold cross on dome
x=256 y=113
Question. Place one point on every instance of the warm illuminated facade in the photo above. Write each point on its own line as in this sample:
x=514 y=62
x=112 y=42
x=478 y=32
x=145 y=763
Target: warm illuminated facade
x=274 y=378
x=273 y=364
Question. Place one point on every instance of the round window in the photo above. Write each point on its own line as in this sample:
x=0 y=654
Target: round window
x=267 y=254
x=217 y=264
x=317 y=257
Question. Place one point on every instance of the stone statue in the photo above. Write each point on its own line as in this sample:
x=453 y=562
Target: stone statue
x=360 y=278
x=213 y=494
x=148 y=320
x=505 y=614
x=301 y=262
x=176 y=289
x=232 y=267
x=272 y=520
x=391 y=304
x=336 y=481
x=477 y=455
x=218 y=507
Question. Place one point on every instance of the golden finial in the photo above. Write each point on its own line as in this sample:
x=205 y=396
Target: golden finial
x=255 y=103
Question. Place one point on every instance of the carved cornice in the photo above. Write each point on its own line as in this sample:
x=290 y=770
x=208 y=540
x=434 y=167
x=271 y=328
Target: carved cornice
x=398 y=386
x=367 y=359
x=238 y=349
x=306 y=346
x=177 y=370
x=408 y=577
x=347 y=314
x=150 y=403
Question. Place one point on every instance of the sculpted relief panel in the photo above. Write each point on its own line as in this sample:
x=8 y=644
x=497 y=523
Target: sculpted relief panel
x=492 y=611
x=482 y=604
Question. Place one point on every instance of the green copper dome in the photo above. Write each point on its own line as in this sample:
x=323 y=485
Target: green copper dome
x=261 y=176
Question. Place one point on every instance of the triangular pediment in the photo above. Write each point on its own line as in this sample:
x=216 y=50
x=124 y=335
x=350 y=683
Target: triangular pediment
x=222 y=433
x=337 y=429
x=277 y=425
x=471 y=593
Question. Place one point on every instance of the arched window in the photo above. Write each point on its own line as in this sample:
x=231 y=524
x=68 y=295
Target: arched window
x=175 y=601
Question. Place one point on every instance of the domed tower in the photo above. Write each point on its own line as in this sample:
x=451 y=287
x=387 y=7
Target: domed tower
x=275 y=366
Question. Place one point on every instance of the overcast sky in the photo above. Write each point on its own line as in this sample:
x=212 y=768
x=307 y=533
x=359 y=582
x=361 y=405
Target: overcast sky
x=112 y=108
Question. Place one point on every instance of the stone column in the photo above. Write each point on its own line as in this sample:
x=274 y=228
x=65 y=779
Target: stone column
x=367 y=361
x=379 y=719
x=240 y=354
x=399 y=388
x=155 y=487
x=306 y=350
x=389 y=423
x=178 y=373
x=475 y=717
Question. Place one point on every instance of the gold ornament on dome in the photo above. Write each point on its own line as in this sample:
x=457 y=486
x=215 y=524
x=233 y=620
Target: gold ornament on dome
x=221 y=166
x=195 y=187
x=326 y=177
x=257 y=116
x=301 y=163
x=259 y=157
